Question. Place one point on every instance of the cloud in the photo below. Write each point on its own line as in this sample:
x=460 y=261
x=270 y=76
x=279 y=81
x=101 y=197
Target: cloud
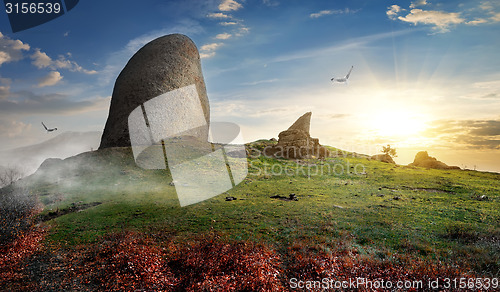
x=207 y=55
x=418 y=3
x=210 y=47
x=42 y=60
x=321 y=13
x=469 y=134
x=346 y=45
x=486 y=6
x=491 y=95
x=329 y=12
x=338 y=116
x=4 y=87
x=228 y=23
x=50 y=80
x=11 y=50
x=229 y=5
x=11 y=128
x=208 y=50
x=442 y=21
x=496 y=17
x=477 y=21
x=218 y=15
x=30 y=103
x=393 y=11
x=242 y=30
x=270 y=3
x=118 y=59
x=223 y=36
x=259 y=82
x=439 y=19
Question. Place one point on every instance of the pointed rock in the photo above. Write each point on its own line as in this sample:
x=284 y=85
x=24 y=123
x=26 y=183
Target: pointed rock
x=296 y=142
x=303 y=123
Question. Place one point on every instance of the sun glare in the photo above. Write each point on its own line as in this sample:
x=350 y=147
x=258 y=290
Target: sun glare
x=397 y=124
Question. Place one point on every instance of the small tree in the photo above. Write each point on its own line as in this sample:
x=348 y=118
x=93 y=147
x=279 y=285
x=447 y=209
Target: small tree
x=9 y=175
x=389 y=151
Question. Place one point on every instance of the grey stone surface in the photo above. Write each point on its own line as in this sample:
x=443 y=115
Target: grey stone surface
x=165 y=64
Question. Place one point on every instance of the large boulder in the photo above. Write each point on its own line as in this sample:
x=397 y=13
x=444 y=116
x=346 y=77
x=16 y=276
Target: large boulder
x=422 y=159
x=165 y=64
x=297 y=143
x=383 y=158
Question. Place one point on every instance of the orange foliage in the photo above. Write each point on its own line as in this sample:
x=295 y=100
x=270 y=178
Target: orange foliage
x=14 y=254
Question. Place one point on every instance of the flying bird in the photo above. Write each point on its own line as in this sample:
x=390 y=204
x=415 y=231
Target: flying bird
x=49 y=129
x=343 y=79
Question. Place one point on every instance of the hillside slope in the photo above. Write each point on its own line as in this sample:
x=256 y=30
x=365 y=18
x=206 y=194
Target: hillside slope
x=342 y=204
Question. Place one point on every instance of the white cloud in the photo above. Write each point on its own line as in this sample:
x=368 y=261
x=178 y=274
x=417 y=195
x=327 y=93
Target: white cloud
x=210 y=47
x=4 y=57
x=270 y=3
x=207 y=55
x=229 y=5
x=477 y=21
x=418 y=3
x=208 y=50
x=329 y=12
x=439 y=19
x=11 y=128
x=42 y=60
x=486 y=6
x=118 y=59
x=4 y=87
x=243 y=30
x=228 y=23
x=218 y=15
x=259 y=82
x=223 y=36
x=442 y=21
x=393 y=11
x=496 y=17
x=29 y=104
x=321 y=13
x=11 y=50
x=50 y=80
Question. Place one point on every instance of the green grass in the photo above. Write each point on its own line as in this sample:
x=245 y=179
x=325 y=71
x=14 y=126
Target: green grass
x=376 y=208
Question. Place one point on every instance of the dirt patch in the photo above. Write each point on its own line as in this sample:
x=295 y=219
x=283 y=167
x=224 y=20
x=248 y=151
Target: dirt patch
x=430 y=190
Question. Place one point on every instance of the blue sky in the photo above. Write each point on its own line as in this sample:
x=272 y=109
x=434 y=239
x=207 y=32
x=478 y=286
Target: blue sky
x=426 y=73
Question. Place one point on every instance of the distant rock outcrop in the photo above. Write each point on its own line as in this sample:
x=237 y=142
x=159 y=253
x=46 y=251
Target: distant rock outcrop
x=383 y=158
x=296 y=142
x=422 y=159
x=165 y=64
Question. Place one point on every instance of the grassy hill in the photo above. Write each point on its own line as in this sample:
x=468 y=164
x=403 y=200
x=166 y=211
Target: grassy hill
x=352 y=217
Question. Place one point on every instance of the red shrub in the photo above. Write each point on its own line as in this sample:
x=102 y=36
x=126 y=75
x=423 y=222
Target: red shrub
x=210 y=264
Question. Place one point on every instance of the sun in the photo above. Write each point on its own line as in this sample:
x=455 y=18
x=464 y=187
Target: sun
x=397 y=123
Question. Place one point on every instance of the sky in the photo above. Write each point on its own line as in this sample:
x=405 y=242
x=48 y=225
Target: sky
x=426 y=73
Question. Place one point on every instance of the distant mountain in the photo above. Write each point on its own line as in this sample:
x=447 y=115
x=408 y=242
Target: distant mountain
x=64 y=145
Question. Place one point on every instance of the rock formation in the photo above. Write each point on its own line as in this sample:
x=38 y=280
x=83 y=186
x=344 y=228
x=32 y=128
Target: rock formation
x=422 y=159
x=163 y=65
x=383 y=158
x=296 y=142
